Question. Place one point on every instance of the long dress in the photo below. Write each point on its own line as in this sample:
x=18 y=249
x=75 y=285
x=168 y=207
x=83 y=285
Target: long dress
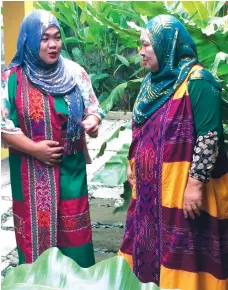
x=50 y=204
x=159 y=243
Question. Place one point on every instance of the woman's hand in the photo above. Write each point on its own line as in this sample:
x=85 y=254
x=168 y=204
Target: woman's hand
x=91 y=125
x=130 y=175
x=48 y=152
x=193 y=198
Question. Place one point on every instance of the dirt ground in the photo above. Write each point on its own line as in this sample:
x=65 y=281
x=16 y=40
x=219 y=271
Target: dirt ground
x=108 y=228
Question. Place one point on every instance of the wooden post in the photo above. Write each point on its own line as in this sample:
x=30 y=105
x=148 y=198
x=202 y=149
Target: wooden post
x=13 y=14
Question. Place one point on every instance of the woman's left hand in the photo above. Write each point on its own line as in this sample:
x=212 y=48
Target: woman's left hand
x=193 y=198
x=91 y=125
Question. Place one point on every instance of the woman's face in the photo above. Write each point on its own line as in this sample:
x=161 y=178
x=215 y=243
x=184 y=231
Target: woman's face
x=149 y=58
x=51 y=45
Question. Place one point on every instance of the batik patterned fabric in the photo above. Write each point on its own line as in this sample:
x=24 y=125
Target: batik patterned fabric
x=159 y=243
x=50 y=204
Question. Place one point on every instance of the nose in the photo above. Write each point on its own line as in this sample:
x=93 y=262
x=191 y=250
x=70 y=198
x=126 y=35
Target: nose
x=141 y=52
x=52 y=43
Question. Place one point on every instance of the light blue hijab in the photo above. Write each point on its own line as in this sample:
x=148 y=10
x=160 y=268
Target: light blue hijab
x=52 y=79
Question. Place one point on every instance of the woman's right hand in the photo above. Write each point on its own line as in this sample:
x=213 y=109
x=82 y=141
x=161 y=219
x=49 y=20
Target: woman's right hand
x=48 y=152
x=129 y=175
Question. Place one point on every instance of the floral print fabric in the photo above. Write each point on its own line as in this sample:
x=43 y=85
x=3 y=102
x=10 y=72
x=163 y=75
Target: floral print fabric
x=205 y=156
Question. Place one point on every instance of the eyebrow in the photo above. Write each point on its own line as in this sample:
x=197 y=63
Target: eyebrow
x=48 y=34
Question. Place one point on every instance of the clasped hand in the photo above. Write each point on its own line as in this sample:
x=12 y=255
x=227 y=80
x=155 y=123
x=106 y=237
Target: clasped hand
x=91 y=125
x=47 y=151
x=50 y=153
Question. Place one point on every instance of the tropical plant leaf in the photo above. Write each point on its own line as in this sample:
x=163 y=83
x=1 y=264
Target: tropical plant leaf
x=132 y=24
x=114 y=97
x=114 y=135
x=213 y=7
x=118 y=92
x=78 y=55
x=225 y=129
x=137 y=72
x=216 y=24
x=123 y=59
x=199 y=10
x=100 y=18
x=149 y=8
x=64 y=20
x=221 y=56
x=102 y=97
x=207 y=47
x=96 y=77
x=66 y=11
x=115 y=170
x=72 y=39
x=65 y=54
x=126 y=196
x=54 y=271
x=43 y=5
x=135 y=59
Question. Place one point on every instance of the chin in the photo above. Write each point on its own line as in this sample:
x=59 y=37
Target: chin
x=51 y=61
x=153 y=69
x=148 y=68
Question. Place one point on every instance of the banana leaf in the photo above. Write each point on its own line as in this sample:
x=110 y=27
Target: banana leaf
x=114 y=171
x=114 y=135
x=126 y=196
x=199 y=10
x=100 y=18
x=213 y=7
x=54 y=271
x=149 y=8
x=118 y=92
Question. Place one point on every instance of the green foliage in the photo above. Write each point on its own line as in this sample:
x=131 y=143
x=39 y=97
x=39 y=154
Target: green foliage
x=199 y=12
x=118 y=93
x=52 y=270
x=126 y=196
x=114 y=135
x=115 y=170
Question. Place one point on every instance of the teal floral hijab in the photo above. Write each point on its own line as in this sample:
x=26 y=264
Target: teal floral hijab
x=176 y=54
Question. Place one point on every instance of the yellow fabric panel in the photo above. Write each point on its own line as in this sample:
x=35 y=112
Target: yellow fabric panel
x=216 y=197
x=183 y=280
x=179 y=93
x=174 y=180
x=127 y=257
x=132 y=164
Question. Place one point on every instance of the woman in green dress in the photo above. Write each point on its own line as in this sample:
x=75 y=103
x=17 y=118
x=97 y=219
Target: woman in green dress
x=47 y=105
